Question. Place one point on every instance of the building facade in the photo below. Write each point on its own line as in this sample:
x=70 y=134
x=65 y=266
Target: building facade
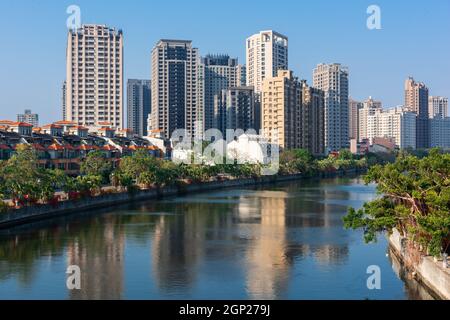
x=398 y=123
x=369 y=108
x=216 y=73
x=175 y=88
x=234 y=108
x=416 y=100
x=440 y=132
x=333 y=80
x=312 y=135
x=353 y=118
x=437 y=107
x=266 y=53
x=281 y=100
x=94 y=83
x=138 y=105
x=28 y=117
x=293 y=113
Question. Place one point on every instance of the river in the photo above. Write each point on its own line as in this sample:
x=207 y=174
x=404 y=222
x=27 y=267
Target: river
x=283 y=241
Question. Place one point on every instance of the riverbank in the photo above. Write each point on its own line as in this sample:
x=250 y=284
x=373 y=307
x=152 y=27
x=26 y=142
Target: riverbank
x=35 y=213
x=428 y=272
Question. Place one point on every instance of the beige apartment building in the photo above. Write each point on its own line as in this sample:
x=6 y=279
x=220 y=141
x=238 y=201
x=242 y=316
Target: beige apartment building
x=266 y=53
x=438 y=107
x=94 y=83
x=292 y=113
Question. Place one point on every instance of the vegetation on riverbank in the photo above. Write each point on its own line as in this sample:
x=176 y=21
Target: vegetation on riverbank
x=24 y=182
x=414 y=198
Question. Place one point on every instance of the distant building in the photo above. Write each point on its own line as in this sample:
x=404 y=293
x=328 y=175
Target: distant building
x=440 y=132
x=174 y=88
x=138 y=105
x=369 y=107
x=438 y=107
x=94 y=84
x=266 y=53
x=216 y=73
x=312 y=121
x=234 y=108
x=333 y=80
x=416 y=100
x=28 y=117
x=397 y=123
x=353 y=118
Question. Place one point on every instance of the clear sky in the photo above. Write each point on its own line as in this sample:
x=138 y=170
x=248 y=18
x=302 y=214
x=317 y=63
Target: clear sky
x=414 y=40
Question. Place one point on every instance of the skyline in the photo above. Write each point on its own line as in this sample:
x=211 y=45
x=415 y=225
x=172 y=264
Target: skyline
x=378 y=73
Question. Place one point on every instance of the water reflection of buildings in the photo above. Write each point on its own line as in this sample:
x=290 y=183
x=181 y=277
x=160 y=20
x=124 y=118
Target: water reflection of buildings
x=273 y=230
x=267 y=265
x=99 y=252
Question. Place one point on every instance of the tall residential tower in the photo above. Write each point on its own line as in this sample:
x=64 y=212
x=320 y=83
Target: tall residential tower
x=174 y=88
x=266 y=53
x=333 y=80
x=138 y=105
x=94 y=83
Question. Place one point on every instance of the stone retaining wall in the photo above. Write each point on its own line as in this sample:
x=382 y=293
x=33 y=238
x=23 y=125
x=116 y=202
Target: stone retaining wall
x=430 y=273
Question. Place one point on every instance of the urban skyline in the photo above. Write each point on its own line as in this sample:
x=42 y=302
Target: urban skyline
x=45 y=96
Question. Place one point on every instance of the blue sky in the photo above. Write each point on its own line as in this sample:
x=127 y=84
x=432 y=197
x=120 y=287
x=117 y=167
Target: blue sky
x=414 y=40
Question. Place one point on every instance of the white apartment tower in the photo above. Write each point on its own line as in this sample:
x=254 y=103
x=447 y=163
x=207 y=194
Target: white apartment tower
x=175 y=67
x=398 y=123
x=94 y=83
x=333 y=80
x=266 y=53
x=438 y=107
x=369 y=108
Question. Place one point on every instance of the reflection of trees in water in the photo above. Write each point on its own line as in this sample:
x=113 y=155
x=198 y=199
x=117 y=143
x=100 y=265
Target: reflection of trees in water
x=179 y=242
x=95 y=244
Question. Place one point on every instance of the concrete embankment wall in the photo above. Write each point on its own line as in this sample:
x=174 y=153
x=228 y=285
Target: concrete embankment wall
x=429 y=273
x=36 y=213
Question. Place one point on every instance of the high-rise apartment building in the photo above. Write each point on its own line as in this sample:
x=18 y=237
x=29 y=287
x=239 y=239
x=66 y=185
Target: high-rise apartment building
x=439 y=132
x=397 y=123
x=175 y=88
x=293 y=113
x=353 y=118
x=369 y=108
x=138 y=105
x=94 y=84
x=312 y=135
x=333 y=80
x=266 y=53
x=234 y=108
x=28 y=117
x=63 y=102
x=437 y=107
x=416 y=100
x=216 y=73
x=281 y=101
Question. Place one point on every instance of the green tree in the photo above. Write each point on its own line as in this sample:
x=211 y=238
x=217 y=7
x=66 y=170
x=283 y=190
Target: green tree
x=96 y=164
x=415 y=199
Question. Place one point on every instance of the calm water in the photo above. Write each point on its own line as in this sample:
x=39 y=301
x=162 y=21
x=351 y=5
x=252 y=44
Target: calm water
x=278 y=242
